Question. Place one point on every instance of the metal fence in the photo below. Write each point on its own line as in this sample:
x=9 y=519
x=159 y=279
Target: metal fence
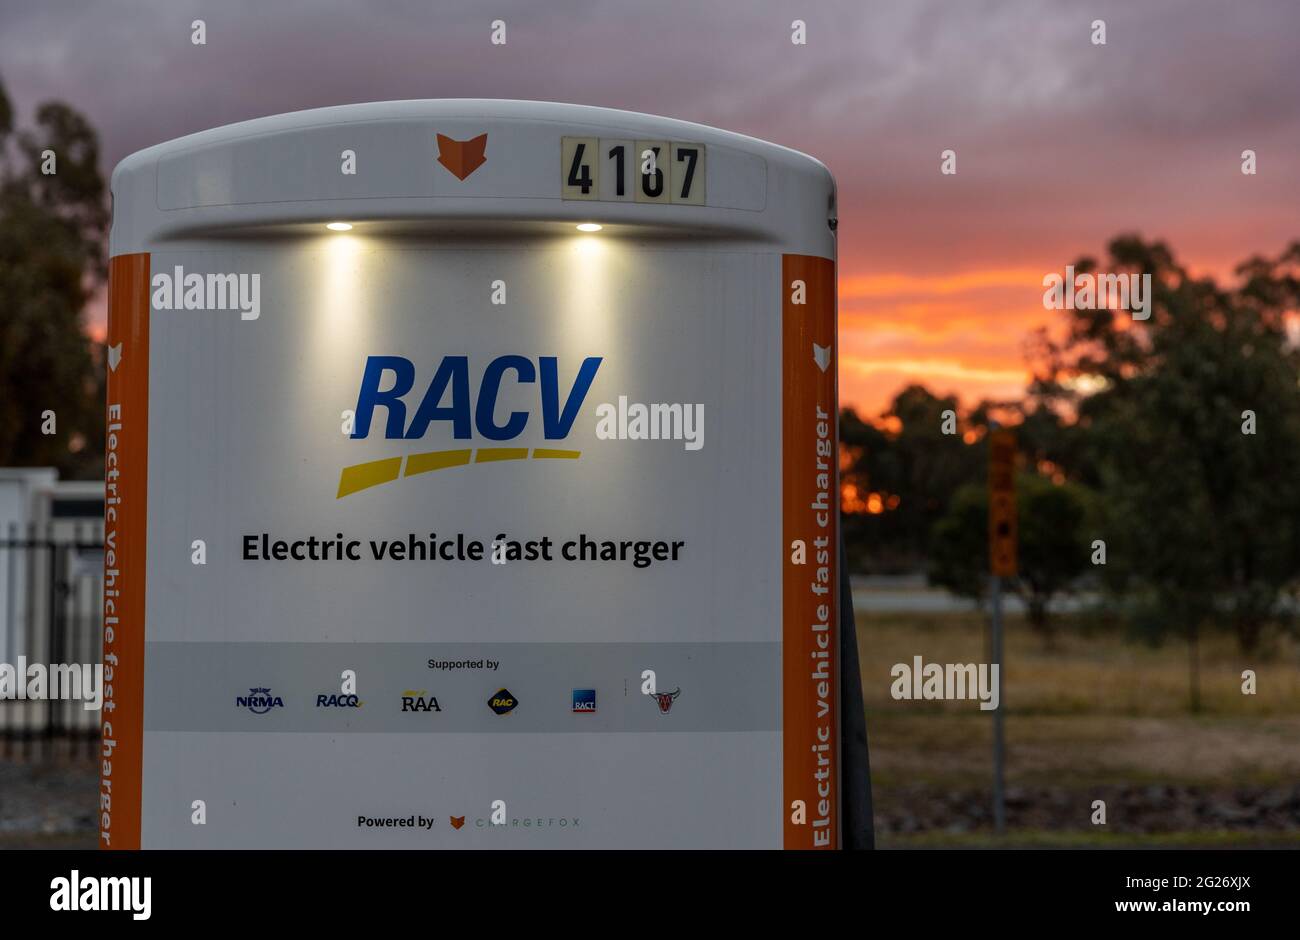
x=51 y=607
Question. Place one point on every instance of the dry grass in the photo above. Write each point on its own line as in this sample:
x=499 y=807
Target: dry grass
x=946 y=750
x=1097 y=674
x=1096 y=710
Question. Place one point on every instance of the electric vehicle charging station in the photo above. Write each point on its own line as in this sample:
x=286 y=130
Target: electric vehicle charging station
x=472 y=481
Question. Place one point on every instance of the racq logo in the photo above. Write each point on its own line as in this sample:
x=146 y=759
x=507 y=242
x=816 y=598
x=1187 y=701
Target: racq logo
x=388 y=384
x=337 y=701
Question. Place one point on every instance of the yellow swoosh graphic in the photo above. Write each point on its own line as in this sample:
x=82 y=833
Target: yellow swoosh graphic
x=489 y=454
x=363 y=476
x=435 y=460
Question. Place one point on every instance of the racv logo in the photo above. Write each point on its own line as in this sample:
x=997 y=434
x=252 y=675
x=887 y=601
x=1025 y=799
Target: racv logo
x=394 y=405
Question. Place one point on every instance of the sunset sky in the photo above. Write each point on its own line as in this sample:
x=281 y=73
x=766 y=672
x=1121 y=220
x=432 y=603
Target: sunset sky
x=1061 y=144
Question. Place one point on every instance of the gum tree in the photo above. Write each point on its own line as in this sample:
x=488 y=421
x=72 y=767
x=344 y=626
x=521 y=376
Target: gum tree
x=1195 y=437
x=53 y=229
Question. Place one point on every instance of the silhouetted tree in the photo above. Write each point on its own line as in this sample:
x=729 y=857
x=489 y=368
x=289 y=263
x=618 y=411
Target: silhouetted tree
x=53 y=231
x=1202 y=520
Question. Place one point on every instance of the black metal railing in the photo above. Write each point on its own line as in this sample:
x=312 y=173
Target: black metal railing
x=51 y=608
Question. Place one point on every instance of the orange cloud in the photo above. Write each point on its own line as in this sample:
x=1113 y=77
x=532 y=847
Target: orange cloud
x=959 y=332
x=893 y=284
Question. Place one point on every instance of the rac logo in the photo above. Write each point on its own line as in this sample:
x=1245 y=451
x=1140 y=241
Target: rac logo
x=448 y=399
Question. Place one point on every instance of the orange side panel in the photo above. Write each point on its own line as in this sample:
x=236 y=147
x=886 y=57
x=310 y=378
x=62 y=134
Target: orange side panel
x=125 y=512
x=810 y=510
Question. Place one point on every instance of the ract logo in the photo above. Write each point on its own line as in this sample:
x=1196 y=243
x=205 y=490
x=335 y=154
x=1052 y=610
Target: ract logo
x=463 y=411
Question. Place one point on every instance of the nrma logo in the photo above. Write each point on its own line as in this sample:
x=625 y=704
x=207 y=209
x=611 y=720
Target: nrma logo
x=389 y=381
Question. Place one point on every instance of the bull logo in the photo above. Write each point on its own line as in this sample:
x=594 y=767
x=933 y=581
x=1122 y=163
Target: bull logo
x=462 y=157
x=665 y=700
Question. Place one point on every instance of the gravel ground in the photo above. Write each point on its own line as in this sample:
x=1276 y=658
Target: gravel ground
x=53 y=806
x=1129 y=809
x=49 y=805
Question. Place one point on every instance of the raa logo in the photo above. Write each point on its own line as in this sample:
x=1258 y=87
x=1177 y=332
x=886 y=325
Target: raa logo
x=420 y=701
x=502 y=702
x=462 y=157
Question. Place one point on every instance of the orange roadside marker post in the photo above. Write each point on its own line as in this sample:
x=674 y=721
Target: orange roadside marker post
x=1002 y=564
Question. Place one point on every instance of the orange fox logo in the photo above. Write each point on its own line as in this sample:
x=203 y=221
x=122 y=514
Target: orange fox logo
x=462 y=157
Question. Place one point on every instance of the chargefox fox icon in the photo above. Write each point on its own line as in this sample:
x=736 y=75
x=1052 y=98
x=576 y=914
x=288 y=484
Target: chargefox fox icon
x=462 y=157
